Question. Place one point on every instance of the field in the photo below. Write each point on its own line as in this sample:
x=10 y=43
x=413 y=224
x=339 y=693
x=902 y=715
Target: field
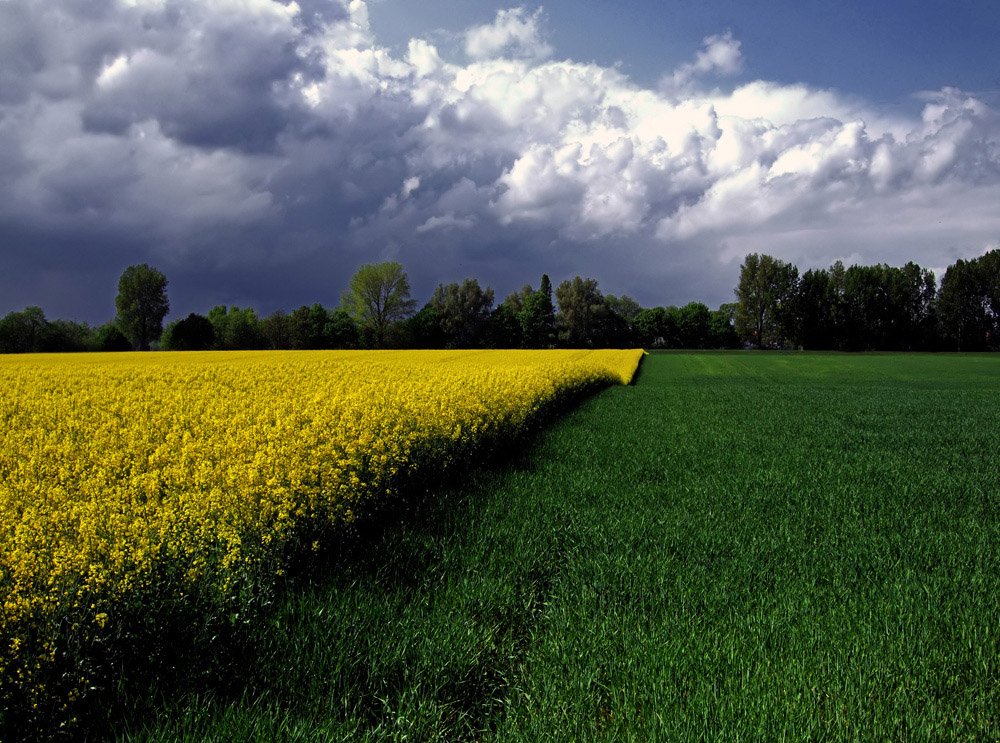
x=138 y=487
x=739 y=547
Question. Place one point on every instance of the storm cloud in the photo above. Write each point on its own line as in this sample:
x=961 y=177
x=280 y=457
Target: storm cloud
x=257 y=152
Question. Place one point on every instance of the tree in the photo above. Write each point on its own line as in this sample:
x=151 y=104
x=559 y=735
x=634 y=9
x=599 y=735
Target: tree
x=464 y=310
x=694 y=325
x=308 y=326
x=194 y=333
x=623 y=311
x=108 y=338
x=963 y=307
x=722 y=327
x=503 y=329
x=583 y=316
x=277 y=330
x=23 y=332
x=63 y=336
x=624 y=306
x=537 y=315
x=378 y=295
x=422 y=330
x=142 y=304
x=516 y=300
x=341 y=331
x=765 y=303
x=649 y=327
x=235 y=328
x=816 y=311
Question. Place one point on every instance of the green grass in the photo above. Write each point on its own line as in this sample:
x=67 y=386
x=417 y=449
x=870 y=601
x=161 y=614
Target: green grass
x=740 y=546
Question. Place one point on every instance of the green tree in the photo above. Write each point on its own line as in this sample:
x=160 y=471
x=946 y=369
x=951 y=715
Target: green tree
x=464 y=310
x=422 y=330
x=516 y=300
x=308 y=325
x=583 y=316
x=963 y=307
x=23 y=332
x=341 y=331
x=236 y=328
x=141 y=304
x=108 y=338
x=694 y=325
x=503 y=329
x=621 y=326
x=277 y=330
x=537 y=315
x=650 y=327
x=765 y=300
x=66 y=336
x=816 y=311
x=722 y=327
x=378 y=295
x=194 y=333
x=624 y=306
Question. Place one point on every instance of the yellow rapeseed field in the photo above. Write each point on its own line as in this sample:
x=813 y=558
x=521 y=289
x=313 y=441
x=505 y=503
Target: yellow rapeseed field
x=119 y=469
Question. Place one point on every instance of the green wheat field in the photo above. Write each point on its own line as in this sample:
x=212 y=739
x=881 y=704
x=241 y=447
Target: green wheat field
x=740 y=546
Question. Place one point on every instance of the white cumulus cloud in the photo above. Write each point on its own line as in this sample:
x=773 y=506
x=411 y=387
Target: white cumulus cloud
x=513 y=32
x=284 y=141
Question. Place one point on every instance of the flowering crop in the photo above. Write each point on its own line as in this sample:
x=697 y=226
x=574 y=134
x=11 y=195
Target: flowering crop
x=118 y=469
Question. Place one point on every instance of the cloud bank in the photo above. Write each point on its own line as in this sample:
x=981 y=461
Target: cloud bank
x=259 y=151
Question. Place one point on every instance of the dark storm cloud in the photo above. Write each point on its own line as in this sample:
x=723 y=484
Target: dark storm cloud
x=209 y=79
x=258 y=151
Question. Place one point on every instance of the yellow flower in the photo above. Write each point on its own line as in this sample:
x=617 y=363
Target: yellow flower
x=117 y=469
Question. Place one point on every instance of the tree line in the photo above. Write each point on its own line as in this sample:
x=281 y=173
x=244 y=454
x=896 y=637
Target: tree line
x=869 y=308
x=876 y=307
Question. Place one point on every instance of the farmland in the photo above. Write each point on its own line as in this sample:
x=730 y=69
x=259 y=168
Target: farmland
x=739 y=547
x=183 y=479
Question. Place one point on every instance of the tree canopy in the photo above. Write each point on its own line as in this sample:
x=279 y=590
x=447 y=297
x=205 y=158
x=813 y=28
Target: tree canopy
x=846 y=308
x=141 y=304
x=464 y=309
x=378 y=295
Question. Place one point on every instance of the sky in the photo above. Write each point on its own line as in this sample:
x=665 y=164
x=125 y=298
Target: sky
x=258 y=152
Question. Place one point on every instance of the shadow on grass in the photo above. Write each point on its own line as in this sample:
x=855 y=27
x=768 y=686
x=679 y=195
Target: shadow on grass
x=186 y=647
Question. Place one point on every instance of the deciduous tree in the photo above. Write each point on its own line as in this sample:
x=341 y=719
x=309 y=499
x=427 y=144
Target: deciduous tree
x=141 y=304
x=537 y=315
x=582 y=313
x=765 y=300
x=464 y=310
x=378 y=295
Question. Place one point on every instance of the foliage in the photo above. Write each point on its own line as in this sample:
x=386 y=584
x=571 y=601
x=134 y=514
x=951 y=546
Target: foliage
x=464 y=311
x=315 y=327
x=855 y=308
x=515 y=301
x=422 y=330
x=536 y=314
x=108 y=338
x=277 y=330
x=23 y=332
x=193 y=333
x=141 y=304
x=624 y=306
x=765 y=297
x=969 y=303
x=583 y=317
x=378 y=296
x=235 y=328
x=503 y=329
